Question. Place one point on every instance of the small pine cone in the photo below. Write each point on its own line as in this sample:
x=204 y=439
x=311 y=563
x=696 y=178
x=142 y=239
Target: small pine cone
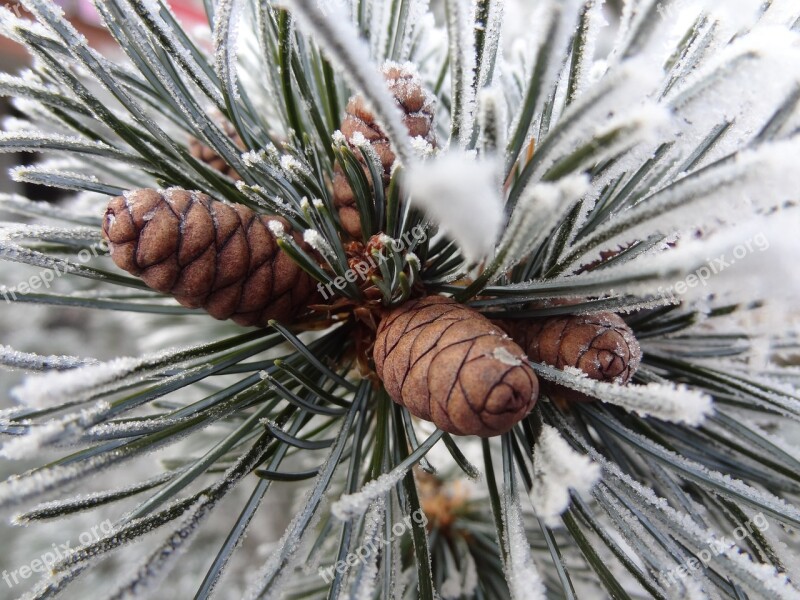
x=207 y=155
x=600 y=344
x=416 y=104
x=448 y=364
x=223 y=258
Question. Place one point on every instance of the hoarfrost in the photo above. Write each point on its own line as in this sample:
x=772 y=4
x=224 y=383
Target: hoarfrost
x=46 y=390
x=539 y=210
x=668 y=401
x=462 y=55
x=365 y=581
x=459 y=192
x=344 y=45
x=62 y=430
x=317 y=241
x=557 y=469
x=521 y=574
x=505 y=357
x=30 y=361
x=352 y=505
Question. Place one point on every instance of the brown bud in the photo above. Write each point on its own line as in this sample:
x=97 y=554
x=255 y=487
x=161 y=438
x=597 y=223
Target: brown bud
x=448 y=364
x=415 y=103
x=223 y=258
x=207 y=155
x=599 y=344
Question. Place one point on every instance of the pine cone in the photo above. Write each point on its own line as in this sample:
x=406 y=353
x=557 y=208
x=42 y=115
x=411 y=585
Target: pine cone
x=208 y=254
x=600 y=344
x=418 y=118
x=207 y=155
x=448 y=364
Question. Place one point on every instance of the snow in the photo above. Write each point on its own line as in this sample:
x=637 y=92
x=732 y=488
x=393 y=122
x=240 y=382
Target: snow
x=459 y=192
x=558 y=469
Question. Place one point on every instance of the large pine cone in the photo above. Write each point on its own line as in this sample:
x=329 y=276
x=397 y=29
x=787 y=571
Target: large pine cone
x=416 y=104
x=208 y=254
x=448 y=364
x=599 y=344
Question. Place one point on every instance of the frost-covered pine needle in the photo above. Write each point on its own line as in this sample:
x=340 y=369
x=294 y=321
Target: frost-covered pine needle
x=557 y=470
x=356 y=504
x=670 y=402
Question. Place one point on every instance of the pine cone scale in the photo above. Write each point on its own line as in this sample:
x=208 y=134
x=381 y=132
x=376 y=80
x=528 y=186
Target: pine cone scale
x=197 y=234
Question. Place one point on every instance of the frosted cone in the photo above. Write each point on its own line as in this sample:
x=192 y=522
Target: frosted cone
x=359 y=120
x=448 y=364
x=600 y=344
x=208 y=254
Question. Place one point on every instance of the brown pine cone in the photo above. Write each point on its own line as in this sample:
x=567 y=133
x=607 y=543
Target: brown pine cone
x=208 y=254
x=448 y=364
x=418 y=118
x=599 y=344
x=207 y=155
